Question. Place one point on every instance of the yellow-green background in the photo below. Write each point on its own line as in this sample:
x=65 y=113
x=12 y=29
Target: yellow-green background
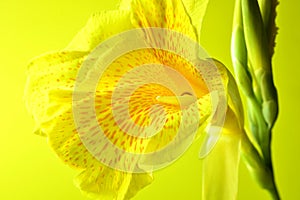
x=28 y=168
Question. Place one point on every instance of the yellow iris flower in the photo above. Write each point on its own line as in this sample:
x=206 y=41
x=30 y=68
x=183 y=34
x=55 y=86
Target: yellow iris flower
x=51 y=82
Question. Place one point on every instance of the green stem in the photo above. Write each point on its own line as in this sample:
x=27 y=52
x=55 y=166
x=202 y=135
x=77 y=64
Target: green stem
x=268 y=12
x=259 y=128
x=262 y=174
x=257 y=44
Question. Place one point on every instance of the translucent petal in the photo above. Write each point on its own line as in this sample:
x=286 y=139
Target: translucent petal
x=168 y=14
x=99 y=27
x=126 y=100
x=220 y=167
x=100 y=182
x=49 y=86
x=51 y=82
x=125 y=4
x=48 y=97
x=196 y=9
